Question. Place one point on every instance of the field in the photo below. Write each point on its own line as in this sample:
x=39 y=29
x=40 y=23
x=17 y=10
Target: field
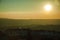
x=34 y=24
x=29 y=29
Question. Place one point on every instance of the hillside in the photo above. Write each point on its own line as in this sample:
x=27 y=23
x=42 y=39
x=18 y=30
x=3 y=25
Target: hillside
x=50 y=24
x=29 y=21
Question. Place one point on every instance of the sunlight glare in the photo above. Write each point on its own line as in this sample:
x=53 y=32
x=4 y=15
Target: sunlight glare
x=47 y=7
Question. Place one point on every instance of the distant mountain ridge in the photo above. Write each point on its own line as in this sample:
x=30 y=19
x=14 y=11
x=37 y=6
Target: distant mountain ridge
x=5 y=21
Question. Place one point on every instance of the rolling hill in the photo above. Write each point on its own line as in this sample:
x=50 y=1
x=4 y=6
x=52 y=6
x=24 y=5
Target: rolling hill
x=50 y=24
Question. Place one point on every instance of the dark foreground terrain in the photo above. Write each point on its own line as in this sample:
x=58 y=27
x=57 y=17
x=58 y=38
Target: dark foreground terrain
x=29 y=29
x=27 y=34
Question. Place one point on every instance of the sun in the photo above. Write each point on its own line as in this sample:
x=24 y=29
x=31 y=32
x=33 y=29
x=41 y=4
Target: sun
x=48 y=7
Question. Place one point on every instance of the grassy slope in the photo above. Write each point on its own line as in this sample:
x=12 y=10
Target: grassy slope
x=31 y=23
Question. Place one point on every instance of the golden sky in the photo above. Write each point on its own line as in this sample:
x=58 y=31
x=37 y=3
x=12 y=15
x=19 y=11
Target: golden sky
x=28 y=9
x=29 y=15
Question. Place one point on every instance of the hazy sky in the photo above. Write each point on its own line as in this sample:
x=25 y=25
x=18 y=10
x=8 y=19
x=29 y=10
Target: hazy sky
x=25 y=9
x=19 y=5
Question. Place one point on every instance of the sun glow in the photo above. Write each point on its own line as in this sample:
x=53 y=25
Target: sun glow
x=48 y=7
